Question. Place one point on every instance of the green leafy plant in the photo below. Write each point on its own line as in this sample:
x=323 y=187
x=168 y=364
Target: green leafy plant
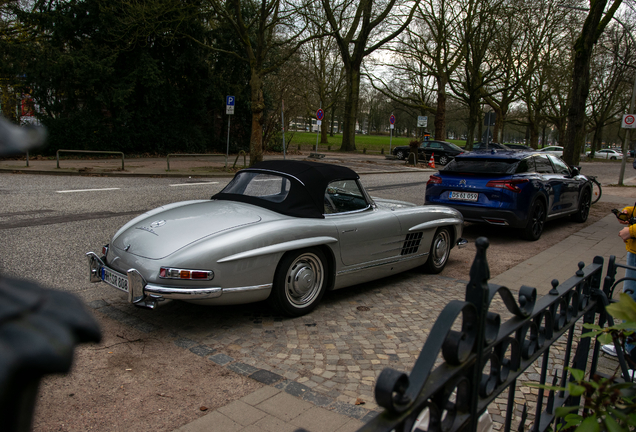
x=607 y=405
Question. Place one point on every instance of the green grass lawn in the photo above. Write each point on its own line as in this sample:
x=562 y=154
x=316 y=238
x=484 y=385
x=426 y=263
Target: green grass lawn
x=372 y=143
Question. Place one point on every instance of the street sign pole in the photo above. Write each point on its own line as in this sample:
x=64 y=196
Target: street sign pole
x=227 y=150
x=319 y=115
x=392 y=121
x=282 y=116
x=229 y=110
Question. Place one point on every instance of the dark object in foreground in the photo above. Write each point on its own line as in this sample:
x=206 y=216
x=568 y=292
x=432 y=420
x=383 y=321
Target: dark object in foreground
x=39 y=329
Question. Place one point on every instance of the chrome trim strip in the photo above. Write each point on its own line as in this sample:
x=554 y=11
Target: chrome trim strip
x=366 y=267
x=280 y=247
x=436 y=223
x=327 y=215
x=247 y=288
x=561 y=213
x=183 y=293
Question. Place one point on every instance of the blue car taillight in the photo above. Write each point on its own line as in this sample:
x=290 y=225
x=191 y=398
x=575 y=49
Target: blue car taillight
x=510 y=184
x=434 y=180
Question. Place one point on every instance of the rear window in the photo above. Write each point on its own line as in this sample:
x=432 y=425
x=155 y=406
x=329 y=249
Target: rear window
x=264 y=186
x=482 y=166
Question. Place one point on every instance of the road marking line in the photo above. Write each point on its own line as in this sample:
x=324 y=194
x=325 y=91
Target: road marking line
x=194 y=184
x=86 y=190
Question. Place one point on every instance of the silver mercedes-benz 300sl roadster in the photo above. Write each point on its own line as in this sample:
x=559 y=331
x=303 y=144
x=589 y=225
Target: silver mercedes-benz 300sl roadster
x=285 y=231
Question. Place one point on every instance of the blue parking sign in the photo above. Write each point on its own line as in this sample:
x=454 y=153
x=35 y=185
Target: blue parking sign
x=229 y=100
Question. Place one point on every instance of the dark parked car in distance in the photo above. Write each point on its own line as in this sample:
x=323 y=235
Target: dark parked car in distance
x=511 y=188
x=442 y=151
x=519 y=147
x=492 y=145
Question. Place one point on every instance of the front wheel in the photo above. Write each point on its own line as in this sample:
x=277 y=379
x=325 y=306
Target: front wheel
x=443 y=160
x=399 y=154
x=299 y=282
x=536 y=220
x=584 y=207
x=439 y=253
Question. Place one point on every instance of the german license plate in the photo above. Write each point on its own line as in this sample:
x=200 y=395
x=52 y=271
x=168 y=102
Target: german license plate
x=464 y=196
x=115 y=279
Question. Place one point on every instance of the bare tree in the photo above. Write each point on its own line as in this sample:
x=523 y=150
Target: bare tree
x=594 y=25
x=609 y=91
x=422 y=60
x=479 y=28
x=269 y=32
x=326 y=78
x=360 y=28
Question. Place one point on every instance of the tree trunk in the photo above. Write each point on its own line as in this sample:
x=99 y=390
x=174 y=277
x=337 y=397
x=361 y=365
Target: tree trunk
x=258 y=105
x=323 y=130
x=583 y=48
x=351 y=110
x=498 y=129
x=474 y=117
x=331 y=122
x=440 y=115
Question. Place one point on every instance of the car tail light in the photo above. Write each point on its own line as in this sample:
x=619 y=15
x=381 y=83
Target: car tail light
x=511 y=185
x=434 y=180
x=184 y=274
x=105 y=250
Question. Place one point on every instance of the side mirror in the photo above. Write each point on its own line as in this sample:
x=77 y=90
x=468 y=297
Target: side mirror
x=576 y=171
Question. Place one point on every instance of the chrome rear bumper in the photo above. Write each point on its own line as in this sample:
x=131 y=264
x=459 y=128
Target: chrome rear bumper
x=148 y=295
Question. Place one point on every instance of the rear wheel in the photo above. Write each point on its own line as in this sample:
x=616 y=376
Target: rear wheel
x=443 y=160
x=584 y=207
x=400 y=155
x=439 y=253
x=536 y=220
x=299 y=282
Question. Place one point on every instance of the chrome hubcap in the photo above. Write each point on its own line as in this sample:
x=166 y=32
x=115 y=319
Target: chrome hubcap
x=304 y=280
x=440 y=248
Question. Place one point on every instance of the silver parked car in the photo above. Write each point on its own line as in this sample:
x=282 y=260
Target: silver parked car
x=553 y=150
x=607 y=154
x=286 y=231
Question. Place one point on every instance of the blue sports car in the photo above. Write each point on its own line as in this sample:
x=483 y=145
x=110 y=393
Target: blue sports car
x=510 y=188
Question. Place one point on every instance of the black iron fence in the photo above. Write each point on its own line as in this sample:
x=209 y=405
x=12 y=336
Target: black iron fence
x=483 y=357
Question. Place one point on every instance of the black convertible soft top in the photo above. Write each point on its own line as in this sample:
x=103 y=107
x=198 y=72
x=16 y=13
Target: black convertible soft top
x=308 y=181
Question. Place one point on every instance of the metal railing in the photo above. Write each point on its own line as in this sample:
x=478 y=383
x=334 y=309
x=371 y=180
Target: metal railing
x=484 y=357
x=57 y=155
x=195 y=155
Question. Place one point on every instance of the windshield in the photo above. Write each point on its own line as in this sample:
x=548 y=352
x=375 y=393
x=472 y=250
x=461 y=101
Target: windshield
x=455 y=147
x=482 y=166
x=265 y=186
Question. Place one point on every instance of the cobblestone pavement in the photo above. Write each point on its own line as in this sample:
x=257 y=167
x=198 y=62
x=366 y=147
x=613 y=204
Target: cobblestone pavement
x=333 y=356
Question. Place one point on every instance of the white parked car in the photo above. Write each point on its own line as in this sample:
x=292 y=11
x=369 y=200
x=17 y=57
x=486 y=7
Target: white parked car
x=553 y=150
x=607 y=154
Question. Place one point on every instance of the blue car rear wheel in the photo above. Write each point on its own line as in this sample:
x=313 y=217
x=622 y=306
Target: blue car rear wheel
x=536 y=221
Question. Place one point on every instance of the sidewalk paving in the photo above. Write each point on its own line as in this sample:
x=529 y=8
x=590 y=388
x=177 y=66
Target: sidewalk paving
x=277 y=408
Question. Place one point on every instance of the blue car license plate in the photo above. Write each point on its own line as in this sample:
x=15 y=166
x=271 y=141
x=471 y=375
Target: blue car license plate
x=463 y=196
x=115 y=279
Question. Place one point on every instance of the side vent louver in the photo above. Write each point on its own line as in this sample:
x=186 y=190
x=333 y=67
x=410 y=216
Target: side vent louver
x=411 y=243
